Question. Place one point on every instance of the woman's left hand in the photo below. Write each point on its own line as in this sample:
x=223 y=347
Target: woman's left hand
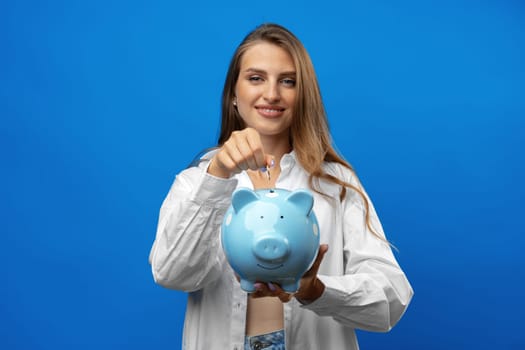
x=310 y=287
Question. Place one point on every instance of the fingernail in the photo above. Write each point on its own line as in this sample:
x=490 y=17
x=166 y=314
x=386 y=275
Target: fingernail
x=257 y=286
x=271 y=286
x=263 y=169
x=272 y=163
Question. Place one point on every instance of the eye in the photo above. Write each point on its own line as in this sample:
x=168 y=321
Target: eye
x=255 y=79
x=282 y=217
x=262 y=217
x=288 y=82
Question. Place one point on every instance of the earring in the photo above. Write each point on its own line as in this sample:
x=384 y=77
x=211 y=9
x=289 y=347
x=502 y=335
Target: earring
x=235 y=101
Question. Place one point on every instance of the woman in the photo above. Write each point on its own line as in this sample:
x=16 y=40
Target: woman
x=273 y=119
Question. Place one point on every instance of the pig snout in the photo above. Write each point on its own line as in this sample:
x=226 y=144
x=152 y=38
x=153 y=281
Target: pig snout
x=271 y=248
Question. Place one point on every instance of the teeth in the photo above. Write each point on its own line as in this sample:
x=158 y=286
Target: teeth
x=271 y=110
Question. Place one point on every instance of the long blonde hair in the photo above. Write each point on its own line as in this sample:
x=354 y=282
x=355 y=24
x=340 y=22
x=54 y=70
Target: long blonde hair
x=309 y=135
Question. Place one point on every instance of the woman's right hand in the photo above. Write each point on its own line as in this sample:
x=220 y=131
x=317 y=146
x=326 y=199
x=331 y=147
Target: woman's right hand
x=242 y=151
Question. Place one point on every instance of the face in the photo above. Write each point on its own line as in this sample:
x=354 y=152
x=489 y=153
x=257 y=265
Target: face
x=265 y=90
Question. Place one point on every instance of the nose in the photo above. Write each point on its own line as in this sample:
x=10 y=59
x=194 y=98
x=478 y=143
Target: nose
x=271 y=92
x=270 y=248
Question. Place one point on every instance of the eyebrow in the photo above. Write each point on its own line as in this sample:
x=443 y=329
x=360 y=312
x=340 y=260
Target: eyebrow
x=261 y=71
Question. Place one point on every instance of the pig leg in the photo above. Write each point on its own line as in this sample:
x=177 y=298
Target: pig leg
x=247 y=286
x=290 y=287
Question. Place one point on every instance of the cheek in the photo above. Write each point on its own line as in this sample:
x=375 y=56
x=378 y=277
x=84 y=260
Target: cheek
x=246 y=98
x=245 y=92
x=242 y=109
x=290 y=97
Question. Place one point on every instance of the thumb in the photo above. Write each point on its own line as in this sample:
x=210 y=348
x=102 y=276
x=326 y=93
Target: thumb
x=270 y=160
x=323 y=248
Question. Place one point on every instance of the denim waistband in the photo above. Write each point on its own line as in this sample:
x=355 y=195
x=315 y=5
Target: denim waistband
x=269 y=341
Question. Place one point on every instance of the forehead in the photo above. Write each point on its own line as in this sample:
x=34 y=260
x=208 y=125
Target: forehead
x=268 y=57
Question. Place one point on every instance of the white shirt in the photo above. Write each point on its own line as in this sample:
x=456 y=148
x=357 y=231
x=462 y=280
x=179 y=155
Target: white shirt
x=364 y=285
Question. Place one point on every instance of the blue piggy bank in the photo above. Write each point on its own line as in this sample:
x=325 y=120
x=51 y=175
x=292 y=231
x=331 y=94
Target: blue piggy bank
x=270 y=235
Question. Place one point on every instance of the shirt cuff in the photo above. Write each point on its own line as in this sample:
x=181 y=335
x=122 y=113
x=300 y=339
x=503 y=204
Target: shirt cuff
x=214 y=190
x=332 y=295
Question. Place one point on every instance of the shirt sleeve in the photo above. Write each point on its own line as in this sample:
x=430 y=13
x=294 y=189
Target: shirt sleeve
x=187 y=254
x=374 y=292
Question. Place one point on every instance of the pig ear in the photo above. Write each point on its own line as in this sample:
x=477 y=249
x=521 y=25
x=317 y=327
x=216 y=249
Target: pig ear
x=242 y=197
x=302 y=199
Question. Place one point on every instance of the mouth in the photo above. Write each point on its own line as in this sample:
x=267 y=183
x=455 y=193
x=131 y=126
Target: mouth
x=270 y=111
x=270 y=268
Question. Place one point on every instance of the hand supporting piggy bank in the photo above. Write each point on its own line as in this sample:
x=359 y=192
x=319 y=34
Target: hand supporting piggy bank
x=270 y=235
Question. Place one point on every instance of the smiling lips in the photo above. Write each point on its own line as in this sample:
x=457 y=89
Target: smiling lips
x=270 y=268
x=270 y=111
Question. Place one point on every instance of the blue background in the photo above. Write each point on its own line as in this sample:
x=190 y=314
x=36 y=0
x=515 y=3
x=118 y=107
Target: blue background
x=103 y=102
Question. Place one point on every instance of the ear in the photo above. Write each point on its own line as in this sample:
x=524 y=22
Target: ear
x=301 y=199
x=242 y=197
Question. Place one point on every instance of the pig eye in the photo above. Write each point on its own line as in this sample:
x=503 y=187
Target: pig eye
x=282 y=217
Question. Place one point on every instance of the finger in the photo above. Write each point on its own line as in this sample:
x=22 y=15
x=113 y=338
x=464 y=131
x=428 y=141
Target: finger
x=258 y=156
x=270 y=160
x=270 y=290
x=285 y=297
x=245 y=149
x=261 y=290
x=323 y=248
x=279 y=292
x=223 y=163
x=233 y=157
x=239 y=149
